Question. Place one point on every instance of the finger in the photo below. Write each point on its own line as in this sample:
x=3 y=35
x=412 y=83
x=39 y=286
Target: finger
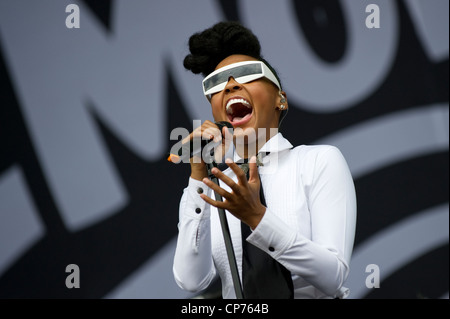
x=213 y=130
x=212 y=133
x=242 y=178
x=253 y=170
x=216 y=188
x=226 y=179
x=197 y=133
x=228 y=136
x=213 y=202
x=188 y=138
x=223 y=144
x=205 y=131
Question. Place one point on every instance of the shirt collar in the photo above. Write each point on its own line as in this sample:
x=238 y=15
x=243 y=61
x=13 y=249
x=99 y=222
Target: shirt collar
x=275 y=144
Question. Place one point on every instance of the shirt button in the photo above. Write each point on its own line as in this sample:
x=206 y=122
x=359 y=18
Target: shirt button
x=198 y=210
x=200 y=190
x=271 y=248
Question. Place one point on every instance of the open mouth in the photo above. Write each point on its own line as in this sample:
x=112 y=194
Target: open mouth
x=239 y=111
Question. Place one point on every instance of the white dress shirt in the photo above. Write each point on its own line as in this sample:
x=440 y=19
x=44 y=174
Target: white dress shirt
x=308 y=226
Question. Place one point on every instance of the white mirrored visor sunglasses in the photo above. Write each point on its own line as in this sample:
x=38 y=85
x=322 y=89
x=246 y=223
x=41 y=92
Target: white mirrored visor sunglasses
x=242 y=72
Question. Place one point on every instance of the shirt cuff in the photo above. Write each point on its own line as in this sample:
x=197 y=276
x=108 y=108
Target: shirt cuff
x=272 y=235
x=196 y=206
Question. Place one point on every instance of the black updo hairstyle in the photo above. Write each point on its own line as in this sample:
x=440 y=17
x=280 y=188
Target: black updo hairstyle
x=209 y=47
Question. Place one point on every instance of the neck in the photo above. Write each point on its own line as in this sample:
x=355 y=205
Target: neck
x=246 y=151
x=247 y=147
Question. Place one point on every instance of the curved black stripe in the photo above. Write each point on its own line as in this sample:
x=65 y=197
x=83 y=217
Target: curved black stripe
x=412 y=81
x=230 y=9
x=112 y=249
x=427 y=277
x=441 y=79
x=323 y=24
x=10 y=120
x=16 y=148
x=395 y=192
x=102 y=9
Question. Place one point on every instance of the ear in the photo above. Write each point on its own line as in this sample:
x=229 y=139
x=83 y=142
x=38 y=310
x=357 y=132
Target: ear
x=283 y=104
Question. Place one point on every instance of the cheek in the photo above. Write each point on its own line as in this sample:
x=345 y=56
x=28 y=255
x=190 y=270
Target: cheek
x=264 y=101
x=216 y=109
x=265 y=105
x=262 y=92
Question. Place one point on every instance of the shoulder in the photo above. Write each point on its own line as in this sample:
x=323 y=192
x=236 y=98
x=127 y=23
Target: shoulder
x=321 y=161
x=317 y=157
x=315 y=151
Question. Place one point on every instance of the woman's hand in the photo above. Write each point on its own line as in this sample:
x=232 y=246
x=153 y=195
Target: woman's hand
x=207 y=131
x=244 y=201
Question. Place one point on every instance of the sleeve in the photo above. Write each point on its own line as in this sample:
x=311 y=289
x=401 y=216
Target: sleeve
x=324 y=259
x=193 y=266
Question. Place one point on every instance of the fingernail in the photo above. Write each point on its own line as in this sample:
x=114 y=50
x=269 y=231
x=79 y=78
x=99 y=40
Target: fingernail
x=228 y=160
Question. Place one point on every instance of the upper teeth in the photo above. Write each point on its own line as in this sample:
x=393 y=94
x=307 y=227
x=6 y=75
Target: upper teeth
x=234 y=101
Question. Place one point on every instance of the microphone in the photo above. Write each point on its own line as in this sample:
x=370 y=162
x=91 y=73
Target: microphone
x=193 y=147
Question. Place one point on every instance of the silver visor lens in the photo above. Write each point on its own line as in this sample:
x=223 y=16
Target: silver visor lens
x=242 y=74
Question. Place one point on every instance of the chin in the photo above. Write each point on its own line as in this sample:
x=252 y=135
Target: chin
x=245 y=135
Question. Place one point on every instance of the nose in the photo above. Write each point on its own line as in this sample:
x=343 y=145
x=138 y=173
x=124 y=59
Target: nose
x=232 y=85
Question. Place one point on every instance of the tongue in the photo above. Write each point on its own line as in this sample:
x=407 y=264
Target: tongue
x=239 y=118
